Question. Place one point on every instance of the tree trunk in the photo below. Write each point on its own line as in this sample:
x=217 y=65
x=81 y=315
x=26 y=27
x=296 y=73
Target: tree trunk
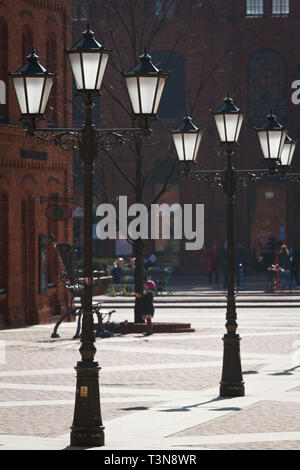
x=139 y=244
x=139 y=280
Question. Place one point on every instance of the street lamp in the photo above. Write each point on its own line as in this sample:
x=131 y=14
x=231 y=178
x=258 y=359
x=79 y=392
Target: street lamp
x=272 y=138
x=88 y=60
x=288 y=151
x=228 y=119
x=187 y=138
x=145 y=85
x=278 y=150
x=32 y=82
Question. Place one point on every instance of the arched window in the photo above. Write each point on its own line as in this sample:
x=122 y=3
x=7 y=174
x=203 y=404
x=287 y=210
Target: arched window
x=3 y=70
x=27 y=41
x=267 y=85
x=173 y=104
x=51 y=61
x=159 y=13
x=164 y=9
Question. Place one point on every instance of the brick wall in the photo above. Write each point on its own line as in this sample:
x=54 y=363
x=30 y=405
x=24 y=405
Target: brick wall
x=31 y=169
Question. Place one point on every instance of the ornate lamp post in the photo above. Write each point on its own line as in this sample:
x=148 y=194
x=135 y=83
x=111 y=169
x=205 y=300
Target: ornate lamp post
x=32 y=83
x=278 y=150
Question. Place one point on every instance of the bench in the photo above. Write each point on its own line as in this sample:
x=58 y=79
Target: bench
x=73 y=282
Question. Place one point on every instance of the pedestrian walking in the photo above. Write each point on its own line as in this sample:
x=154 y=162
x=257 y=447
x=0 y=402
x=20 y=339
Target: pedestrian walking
x=147 y=305
x=213 y=264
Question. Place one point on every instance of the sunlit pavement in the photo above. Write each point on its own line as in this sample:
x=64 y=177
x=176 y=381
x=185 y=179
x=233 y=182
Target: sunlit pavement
x=158 y=392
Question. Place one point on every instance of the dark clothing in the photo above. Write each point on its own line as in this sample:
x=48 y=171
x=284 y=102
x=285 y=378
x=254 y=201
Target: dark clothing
x=284 y=260
x=116 y=274
x=294 y=266
x=147 y=302
x=224 y=266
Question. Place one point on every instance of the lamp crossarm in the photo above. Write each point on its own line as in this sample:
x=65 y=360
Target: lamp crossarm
x=216 y=178
x=70 y=138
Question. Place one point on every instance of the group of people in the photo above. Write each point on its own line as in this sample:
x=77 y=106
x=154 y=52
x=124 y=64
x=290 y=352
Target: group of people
x=120 y=269
x=275 y=257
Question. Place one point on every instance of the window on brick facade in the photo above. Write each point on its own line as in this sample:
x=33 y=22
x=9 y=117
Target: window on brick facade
x=164 y=9
x=255 y=7
x=267 y=85
x=3 y=70
x=173 y=102
x=79 y=11
x=280 y=7
x=27 y=41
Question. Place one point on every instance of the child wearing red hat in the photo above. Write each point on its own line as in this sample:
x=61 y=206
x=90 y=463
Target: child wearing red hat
x=148 y=307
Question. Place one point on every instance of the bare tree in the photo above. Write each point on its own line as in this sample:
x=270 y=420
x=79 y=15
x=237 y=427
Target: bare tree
x=130 y=27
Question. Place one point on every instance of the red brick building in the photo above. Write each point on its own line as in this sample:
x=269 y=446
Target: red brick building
x=29 y=169
x=248 y=48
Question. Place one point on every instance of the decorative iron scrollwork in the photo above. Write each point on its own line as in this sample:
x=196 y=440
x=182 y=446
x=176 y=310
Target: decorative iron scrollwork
x=67 y=139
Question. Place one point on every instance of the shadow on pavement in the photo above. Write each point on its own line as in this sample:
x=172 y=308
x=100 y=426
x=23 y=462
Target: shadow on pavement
x=189 y=407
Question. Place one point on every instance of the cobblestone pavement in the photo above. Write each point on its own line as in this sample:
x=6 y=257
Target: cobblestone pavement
x=158 y=392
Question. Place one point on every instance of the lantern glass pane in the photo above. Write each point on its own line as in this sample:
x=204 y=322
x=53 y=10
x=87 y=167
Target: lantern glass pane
x=263 y=139
x=272 y=142
x=190 y=141
x=293 y=148
x=90 y=69
x=199 y=138
x=76 y=69
x=239 y=126
x=148 y=90
x=160 y=89
x=229 y=126
x=104 y=59
x=276 y=142
x=132 y=86
x=220 y=123
x=231 y=122
x=48 y=86
x=178 y=141
x=35 y=87
x=20 y=92
x=287 y=153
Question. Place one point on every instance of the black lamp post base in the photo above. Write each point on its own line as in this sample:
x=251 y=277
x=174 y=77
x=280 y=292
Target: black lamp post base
x=87 y=429
x=232 y=389
x=84 y=437
x=232 y=384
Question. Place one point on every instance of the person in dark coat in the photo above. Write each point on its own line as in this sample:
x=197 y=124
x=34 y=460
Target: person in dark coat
x=118 y=271
x=294 y=257
x=284 y=262
x=213 y=263
x=224 y=265
x=147 y=305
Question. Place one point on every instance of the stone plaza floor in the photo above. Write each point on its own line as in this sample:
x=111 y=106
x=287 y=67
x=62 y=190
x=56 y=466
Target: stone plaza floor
x=158 y=392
